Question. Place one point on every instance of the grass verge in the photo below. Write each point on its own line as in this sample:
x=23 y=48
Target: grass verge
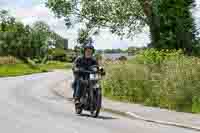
x=19 y=69
x=51 y=65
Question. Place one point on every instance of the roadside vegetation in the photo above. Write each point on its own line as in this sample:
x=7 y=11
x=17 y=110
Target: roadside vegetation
x=27 y=49
x=11 y=66
x=166 y=79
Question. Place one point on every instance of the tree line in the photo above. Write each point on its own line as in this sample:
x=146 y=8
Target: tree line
x=25 y=41
x=131 y=50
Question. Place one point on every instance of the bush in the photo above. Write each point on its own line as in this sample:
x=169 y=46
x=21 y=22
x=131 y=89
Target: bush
x=8 y=60
x=153 y=56
x=58 y=54
x=31 y=63
x=98 y=56
x=37 y=60
x=70 y=57
x=167 y=79
x=122 y=58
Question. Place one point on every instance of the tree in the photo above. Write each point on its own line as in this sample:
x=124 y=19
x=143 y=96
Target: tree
x=41 y=26
x=59 y=41
x=5 y=20
x=83 y=35
x=41 y=31
x=177 y=29
x=124 y=17
x=23 y=41
x=121 y=16
x=46 y=33
x=14 y=39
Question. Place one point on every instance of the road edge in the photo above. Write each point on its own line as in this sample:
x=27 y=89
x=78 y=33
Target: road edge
x=132 y=115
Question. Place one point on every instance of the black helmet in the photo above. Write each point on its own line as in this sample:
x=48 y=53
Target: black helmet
x=89 y=45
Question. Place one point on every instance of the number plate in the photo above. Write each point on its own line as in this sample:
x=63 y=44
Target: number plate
x=92 y=76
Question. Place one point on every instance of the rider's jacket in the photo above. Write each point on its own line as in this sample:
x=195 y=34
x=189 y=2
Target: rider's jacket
x=85 y=63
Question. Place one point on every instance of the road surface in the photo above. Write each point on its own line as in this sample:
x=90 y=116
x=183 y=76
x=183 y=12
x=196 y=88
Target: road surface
x=29 y=106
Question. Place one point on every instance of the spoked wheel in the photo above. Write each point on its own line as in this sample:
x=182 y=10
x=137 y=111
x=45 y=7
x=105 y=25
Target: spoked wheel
x=98 y=101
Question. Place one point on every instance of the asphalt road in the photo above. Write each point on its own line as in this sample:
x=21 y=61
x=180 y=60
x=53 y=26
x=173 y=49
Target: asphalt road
x=29 y=106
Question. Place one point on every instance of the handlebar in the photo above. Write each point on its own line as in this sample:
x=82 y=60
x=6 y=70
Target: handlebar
x=82 y=70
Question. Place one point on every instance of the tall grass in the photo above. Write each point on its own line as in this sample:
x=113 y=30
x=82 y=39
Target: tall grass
x=8 y=60
x=165 y=79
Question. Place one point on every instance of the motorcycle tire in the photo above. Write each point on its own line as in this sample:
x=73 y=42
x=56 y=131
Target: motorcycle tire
x=96 y=113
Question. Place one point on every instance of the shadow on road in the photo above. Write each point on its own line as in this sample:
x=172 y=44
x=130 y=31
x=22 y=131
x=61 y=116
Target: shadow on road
x=87 y=115
x=100 y=117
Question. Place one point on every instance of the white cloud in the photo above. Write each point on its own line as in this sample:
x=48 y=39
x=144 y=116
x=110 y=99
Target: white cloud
x=38 y=10
x=108 y=40
x=196 y=13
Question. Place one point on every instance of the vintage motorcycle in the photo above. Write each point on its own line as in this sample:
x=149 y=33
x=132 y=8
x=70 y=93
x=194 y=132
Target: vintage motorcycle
x=91 y=95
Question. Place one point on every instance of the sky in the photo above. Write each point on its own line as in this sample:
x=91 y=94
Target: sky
x=29 y=11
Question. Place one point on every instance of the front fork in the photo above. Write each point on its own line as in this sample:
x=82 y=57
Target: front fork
x=91 y=98
x=93 y=88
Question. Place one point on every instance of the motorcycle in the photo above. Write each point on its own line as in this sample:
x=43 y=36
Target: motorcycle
x=91 y=95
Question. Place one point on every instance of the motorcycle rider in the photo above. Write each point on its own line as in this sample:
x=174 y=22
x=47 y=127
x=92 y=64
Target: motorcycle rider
x=83 y=62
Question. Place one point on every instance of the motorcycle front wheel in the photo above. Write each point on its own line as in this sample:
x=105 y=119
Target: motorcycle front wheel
x=98 y=103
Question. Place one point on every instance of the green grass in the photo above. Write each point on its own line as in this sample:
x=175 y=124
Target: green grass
x=152 y=79
x=16 y=70
x=55 y=65
x=24 y=69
